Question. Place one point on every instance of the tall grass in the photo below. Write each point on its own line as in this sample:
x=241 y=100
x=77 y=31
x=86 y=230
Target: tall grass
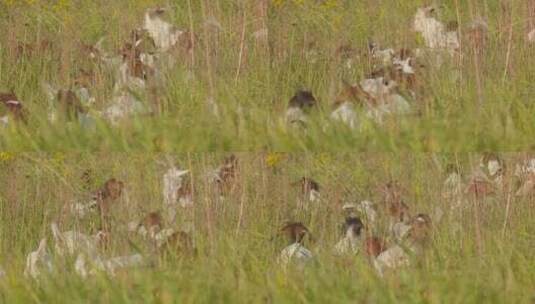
x=462 y=108
x=237 y=262
x=481 y=102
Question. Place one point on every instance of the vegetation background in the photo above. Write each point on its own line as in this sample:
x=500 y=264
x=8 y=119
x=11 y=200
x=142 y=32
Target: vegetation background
x=464 y=107
x=237 y=237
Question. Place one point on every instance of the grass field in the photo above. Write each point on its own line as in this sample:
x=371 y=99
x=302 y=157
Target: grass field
x=461 y=106
x=237 y=238
x=224 y=87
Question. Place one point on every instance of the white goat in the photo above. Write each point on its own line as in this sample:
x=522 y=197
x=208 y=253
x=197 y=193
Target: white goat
x=295 y=254
x=37 y=260
x=434 y=32
x=173 y=182
x=346 y=113
x=164 y=34
x=86 y=266
x=73 y=242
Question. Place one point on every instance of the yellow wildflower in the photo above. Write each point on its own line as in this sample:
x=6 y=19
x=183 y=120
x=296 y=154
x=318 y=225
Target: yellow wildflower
x=273 y=159
x=6 y=156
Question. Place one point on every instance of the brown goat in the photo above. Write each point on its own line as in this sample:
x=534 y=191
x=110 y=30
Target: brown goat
x=227 y=174
x=353 y=93
x=13 y=106
x=373 y=246
x=295 y=232
x=106 y=196
x=152 y=222
x=179 y=244
x=70 y=104
x=307 y=184
x=27 y=50
x=420 y=228
x=395 y=206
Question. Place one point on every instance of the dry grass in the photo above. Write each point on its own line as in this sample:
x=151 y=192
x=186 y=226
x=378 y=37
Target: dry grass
x=239 y=65
x=480 y=100
x=236 y=237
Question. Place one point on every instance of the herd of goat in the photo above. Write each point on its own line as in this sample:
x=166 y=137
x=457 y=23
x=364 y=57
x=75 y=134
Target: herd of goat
x=406 y=237
x=140 y=69
x=153 y=49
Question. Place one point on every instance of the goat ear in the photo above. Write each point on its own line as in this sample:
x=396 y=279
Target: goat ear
x=98 y=45
x=284 y=229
